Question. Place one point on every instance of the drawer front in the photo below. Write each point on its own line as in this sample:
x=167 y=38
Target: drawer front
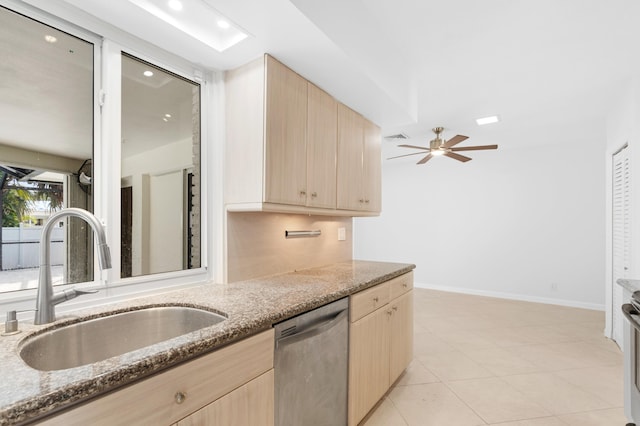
x=172 y=395
x=367 y=301
x=400 y=285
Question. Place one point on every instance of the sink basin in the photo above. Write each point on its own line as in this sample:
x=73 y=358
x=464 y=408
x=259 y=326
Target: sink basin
x=97 y=339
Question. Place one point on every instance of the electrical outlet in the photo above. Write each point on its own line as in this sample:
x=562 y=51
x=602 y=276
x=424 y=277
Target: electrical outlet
x=554 y=286
x=342 y=234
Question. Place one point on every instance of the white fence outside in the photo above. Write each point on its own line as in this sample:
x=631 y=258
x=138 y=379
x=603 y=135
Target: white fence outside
x=21 y=247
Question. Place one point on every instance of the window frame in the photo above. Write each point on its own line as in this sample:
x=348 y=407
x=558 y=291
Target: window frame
x=109 y=44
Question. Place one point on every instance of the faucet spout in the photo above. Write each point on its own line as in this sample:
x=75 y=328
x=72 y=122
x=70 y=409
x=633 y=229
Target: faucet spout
x=46 y=299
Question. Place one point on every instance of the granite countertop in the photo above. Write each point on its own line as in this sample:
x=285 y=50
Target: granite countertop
x=631 y=285
x=250 y=306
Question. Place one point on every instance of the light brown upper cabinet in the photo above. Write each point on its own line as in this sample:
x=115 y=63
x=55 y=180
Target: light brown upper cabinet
x=282 y=145
x=285 y=135
x=358 y=172
x=322 y=139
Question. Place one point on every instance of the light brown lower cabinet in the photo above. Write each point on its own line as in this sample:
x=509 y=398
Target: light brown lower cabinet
x=401 y=335
x=250 y=405
x=218 y=385
x=380 y=342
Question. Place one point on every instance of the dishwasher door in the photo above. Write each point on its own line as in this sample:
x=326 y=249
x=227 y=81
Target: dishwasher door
x=311 y=367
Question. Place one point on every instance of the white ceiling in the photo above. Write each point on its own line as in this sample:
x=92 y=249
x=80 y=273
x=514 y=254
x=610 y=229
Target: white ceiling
x=547 y=67
x=42 y=108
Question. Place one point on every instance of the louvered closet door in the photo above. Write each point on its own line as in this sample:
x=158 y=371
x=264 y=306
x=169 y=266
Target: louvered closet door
x=621 y=236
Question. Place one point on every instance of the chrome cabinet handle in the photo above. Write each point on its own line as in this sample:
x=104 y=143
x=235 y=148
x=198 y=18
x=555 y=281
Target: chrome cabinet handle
x=180 y=397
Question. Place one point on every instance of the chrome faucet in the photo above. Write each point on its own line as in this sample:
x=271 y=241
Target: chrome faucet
x=46 y=298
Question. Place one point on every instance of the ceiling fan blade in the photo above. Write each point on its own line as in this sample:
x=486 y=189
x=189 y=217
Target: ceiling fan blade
x=457 y=156
x=474 y=148
x=454 y=141
x=405 y=155
x=414 y=146
x=425 y=159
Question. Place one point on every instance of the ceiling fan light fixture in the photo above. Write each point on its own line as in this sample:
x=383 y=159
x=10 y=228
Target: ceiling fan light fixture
x=440 y=147
x=487 y=120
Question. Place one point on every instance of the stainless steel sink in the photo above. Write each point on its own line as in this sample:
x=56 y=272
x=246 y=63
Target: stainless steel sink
x=97 y=339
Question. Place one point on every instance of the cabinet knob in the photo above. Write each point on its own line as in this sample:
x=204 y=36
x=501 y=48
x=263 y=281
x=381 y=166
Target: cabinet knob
x=366 y=201
x=314 y=194
x=389 y=312
x=361 y=200
x=395 y=308
x=303 y=193
x=375 y=299
x=405 y=285
x=180 y=397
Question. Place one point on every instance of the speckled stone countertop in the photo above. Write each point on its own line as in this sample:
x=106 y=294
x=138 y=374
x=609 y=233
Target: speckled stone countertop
x=250 y=306
x=631 y=285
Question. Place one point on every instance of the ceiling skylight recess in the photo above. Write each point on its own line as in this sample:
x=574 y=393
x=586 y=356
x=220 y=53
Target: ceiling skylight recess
x=195 y=18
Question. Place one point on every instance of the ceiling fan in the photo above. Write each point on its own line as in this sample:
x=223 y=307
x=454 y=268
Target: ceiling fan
x=438 y=147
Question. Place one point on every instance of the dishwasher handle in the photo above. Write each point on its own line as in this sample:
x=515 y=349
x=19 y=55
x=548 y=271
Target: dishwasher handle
x=628 y=310
x=313 y=331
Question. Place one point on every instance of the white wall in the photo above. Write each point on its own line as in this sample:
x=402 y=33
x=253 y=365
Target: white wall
x=510 y=223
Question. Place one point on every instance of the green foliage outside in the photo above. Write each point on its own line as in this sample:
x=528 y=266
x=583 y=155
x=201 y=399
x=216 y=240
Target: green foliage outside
x=17 y=201
x=15 y=205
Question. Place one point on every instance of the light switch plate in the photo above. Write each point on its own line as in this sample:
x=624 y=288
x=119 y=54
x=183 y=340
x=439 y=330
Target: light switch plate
x=342 y=234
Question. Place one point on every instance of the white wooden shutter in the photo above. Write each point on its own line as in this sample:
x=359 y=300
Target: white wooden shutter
x=621 y=236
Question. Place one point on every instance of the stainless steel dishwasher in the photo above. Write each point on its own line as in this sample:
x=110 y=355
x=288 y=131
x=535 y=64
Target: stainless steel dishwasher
x=311 y=367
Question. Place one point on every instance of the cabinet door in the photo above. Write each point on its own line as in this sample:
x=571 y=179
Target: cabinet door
x=401 y=335
x=350 y=157
x=372 y=164
x=322 y=139
x=285 y=165
x=368 y=363
x=249 y=405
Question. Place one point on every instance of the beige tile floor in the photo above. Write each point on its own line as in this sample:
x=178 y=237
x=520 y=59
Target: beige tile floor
x=486 y=361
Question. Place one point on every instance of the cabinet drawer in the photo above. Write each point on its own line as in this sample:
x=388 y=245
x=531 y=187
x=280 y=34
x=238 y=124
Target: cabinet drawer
x=367 y=301
x=173 y=394
x=400 y=285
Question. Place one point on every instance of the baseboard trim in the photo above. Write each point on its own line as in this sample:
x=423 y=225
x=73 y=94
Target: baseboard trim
x=513 y=296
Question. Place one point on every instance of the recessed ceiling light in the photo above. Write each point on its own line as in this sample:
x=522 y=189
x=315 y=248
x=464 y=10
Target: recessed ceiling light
x=487 y=120
x=165 y=119
x=148 y=73
x=198 y=22
x=175 y=4
x=223 y=24
x=50 y=38
x=167 y=115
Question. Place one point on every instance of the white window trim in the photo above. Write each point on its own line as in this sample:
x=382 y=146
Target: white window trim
x=106 y=158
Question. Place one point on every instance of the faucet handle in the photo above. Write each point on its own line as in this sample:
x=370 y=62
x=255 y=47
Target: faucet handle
x=68 y=294
x=81 y=292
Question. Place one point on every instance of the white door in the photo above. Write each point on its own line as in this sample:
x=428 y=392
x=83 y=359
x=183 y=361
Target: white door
x=621 y=244
x=166 y=224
